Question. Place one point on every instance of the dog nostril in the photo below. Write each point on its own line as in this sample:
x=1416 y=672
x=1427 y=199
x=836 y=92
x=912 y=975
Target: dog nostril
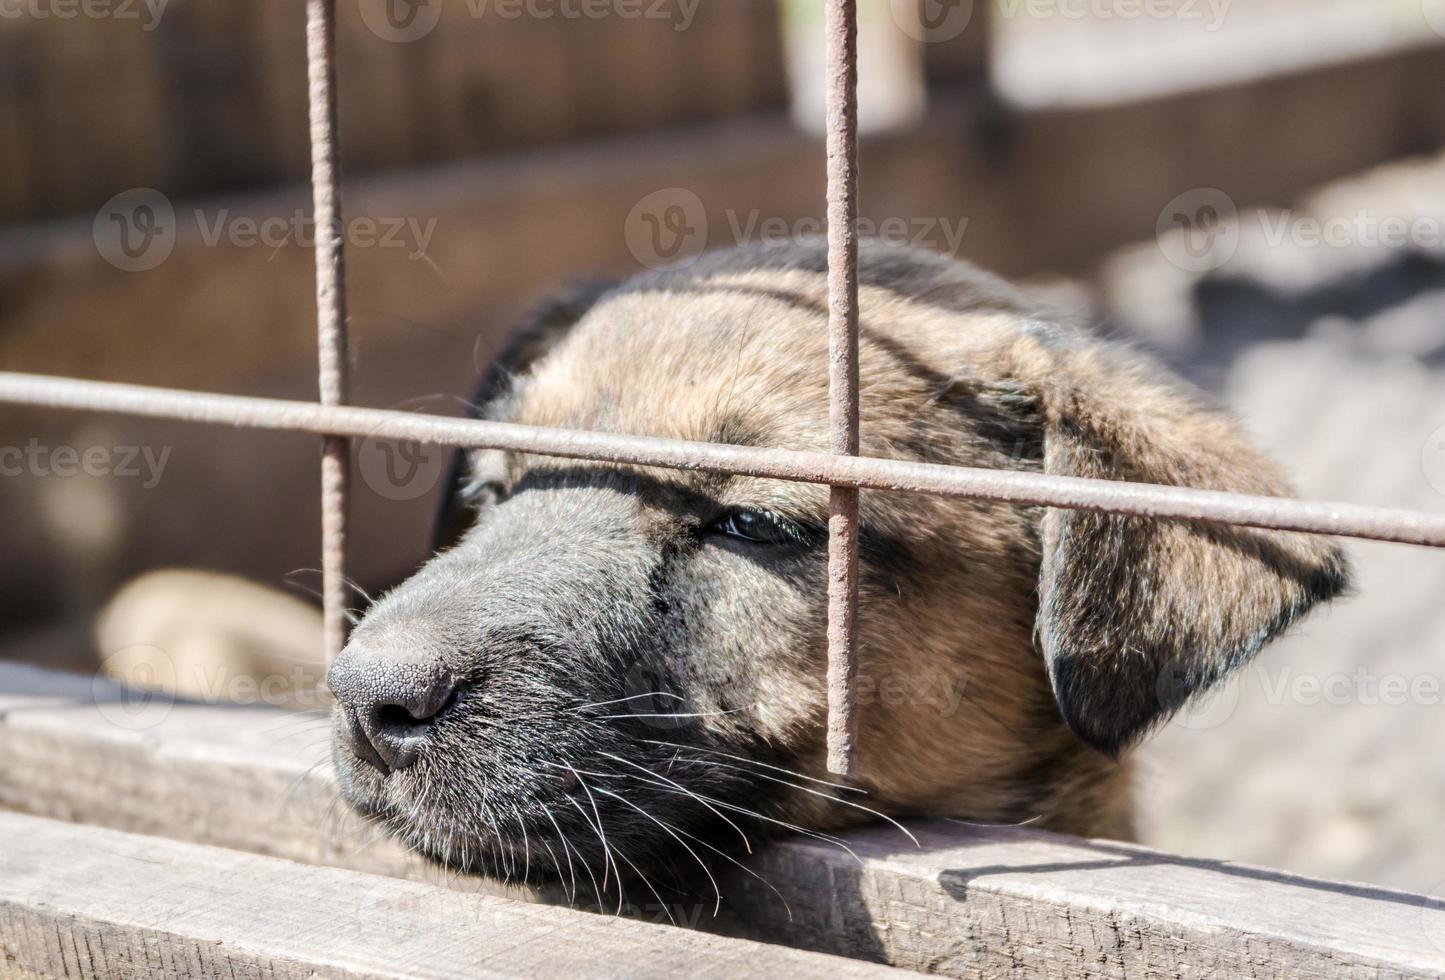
x=396 y=717
x=390 y=704
x=398 y=728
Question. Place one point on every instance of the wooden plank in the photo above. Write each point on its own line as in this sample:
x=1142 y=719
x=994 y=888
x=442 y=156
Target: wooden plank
x=1044 y=192
x=209 y=96
x=80 y=749
x=85 y=902
x=970 y=902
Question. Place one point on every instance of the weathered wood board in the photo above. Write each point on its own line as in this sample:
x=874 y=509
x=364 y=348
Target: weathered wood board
x=970 y=902
x=85 y=902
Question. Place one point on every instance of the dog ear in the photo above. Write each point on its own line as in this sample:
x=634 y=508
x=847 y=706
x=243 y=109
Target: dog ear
x=1136 y=615
x=540 y=330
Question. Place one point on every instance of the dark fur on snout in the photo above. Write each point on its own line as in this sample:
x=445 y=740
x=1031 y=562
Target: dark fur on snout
x=640 y=652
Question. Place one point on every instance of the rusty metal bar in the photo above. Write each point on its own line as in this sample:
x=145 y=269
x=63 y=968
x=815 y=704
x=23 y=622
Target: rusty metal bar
x=841 y=24
x=1003 y=486
x=330 y=310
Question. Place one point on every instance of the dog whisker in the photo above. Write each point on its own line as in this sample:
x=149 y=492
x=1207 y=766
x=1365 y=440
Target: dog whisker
x=755 y=762
x=635 y=697
x=627 y=762
x=669 y=830
x=568 y=849
x=757 y=816
x=600 y=833
x=818 y=793
x=681 y=714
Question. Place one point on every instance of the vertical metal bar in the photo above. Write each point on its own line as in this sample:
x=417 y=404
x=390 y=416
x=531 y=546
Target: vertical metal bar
x=330 y=310
x=842 y=123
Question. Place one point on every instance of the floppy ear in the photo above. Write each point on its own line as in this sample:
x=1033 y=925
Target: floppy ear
x=546 y=324
x=1136 y=615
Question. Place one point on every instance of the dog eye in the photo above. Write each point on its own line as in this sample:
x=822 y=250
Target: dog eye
x=484 y=493
x=759 y=527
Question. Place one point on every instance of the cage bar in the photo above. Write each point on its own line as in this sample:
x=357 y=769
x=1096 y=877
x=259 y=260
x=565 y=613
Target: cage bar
x=330 y=311
x=863 y=472
x=841 y=24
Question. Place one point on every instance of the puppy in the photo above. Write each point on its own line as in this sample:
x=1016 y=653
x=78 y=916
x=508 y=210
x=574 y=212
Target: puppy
x=614 y=669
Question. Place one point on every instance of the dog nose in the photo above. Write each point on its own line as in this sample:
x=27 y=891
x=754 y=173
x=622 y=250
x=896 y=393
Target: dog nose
x=389 y=703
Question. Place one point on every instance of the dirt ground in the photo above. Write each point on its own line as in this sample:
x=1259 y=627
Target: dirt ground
x=1324 y=756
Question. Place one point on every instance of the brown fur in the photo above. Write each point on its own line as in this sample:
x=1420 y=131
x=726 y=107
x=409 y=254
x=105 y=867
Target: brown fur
x=1010 y=655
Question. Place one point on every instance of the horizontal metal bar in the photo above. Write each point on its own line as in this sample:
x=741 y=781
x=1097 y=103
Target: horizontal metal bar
x=1005 y=486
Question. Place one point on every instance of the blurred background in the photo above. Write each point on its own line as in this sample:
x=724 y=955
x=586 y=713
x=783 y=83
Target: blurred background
x=1254 y=189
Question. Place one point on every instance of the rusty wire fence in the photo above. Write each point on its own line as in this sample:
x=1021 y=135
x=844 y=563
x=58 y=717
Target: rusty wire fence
x=842 y=469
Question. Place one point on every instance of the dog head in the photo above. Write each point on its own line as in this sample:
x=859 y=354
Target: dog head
x=614 y=668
